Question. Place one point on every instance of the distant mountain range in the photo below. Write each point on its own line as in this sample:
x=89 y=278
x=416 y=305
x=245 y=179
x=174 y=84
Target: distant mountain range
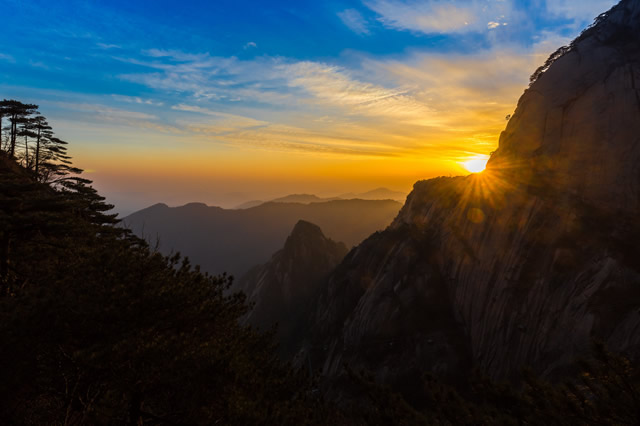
x=375 y=194
x=233 y=241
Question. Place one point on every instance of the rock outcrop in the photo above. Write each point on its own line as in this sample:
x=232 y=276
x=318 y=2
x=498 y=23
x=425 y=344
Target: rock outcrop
x=523 y=264
x=284 y=289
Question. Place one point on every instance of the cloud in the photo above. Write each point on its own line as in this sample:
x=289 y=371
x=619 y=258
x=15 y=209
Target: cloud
x=355 y=21
x=8 y=58
x=468 y=95
x=432 y=16
x=106 y=112
x=107 y=46
x=202 y=75
x=285 y=138
x=298 y=84
x=582 y=12
x=136 y=100
x=250 y=45
x=420 y=104
x=103 y=114
x=334 y=86
x=218 y=122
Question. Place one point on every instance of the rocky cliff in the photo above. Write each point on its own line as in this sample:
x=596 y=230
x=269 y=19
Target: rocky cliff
x=284 y=289
x=523 y=264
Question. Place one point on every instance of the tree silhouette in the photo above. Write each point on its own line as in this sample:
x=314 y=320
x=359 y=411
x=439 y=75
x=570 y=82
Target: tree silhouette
x=17 y=112
x=44 y=133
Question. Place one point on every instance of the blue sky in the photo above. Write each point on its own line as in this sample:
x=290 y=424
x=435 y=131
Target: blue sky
x=279 y=96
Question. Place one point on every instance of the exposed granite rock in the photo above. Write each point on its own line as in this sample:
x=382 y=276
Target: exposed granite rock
x=523 y=264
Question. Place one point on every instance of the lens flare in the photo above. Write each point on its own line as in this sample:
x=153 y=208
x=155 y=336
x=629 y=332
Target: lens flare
x=476 y=164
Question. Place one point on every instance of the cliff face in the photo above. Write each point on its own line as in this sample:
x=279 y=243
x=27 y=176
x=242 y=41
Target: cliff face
x=524 y=263
x=284 y=288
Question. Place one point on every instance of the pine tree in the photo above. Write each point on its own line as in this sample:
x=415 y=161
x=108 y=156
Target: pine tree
x=17 y=112
x=43 y=134
x=55 y=164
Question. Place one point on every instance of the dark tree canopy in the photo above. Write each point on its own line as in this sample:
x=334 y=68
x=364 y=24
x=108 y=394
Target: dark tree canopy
x=97 y=328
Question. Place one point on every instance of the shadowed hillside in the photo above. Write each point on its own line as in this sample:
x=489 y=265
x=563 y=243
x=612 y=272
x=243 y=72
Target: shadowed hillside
x=523 y=264
x=97 y=329
x=284 y=289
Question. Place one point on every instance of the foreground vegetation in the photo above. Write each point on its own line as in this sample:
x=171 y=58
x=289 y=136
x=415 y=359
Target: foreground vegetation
x=98 y=328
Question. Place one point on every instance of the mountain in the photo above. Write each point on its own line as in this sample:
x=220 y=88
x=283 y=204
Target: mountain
x=375 y=194
x=300 y=198
x=138 y=336
x=233 y=241
x=523 y=264
x=283 y=289
x=249 y=204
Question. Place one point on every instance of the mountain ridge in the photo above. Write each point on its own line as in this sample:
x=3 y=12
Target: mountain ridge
x=374 y=194
x=233 y=241
x=532 y=259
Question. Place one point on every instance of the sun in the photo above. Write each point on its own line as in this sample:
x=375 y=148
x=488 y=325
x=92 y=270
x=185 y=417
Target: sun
x=476 y=164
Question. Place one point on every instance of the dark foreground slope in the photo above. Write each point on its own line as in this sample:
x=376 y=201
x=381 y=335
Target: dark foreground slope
x=285 y=289
x=525 y=263
x=97 y=329
x=233 y=241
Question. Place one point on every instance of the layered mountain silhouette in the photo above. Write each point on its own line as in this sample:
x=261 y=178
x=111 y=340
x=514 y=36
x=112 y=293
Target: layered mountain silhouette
x=284 y=289
x=233 y=241
x=521 y=265
x=375 y=194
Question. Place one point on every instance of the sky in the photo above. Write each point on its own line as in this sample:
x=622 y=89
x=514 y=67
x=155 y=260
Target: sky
x=230 y=100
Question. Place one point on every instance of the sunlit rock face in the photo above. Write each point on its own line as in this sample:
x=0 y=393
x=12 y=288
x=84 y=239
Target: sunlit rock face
x=523 y=264
x=284 y=289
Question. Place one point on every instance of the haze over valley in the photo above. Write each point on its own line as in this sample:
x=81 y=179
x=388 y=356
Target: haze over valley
x=374 y=212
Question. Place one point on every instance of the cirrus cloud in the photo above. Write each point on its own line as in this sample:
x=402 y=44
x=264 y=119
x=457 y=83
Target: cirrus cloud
x=433 y=16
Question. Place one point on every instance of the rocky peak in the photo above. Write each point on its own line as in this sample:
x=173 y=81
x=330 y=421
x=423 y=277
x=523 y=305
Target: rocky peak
x=525 y=263
x=284 y=288
x=304 y=233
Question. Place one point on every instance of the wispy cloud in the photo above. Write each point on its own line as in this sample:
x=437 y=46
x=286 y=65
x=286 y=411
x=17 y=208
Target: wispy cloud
x=106 y=112
x=250 y=45
x=202 y=75
x=581 y=12
x=334 y=86
x=217 y=122
x=8 y=58
x=433 y=16
x=107 y=115
x=108 y=46
x=280 y=137
x=305 y=84
x=354 y=21
x=136 y=100
x=419 y=104
x=406 y=106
